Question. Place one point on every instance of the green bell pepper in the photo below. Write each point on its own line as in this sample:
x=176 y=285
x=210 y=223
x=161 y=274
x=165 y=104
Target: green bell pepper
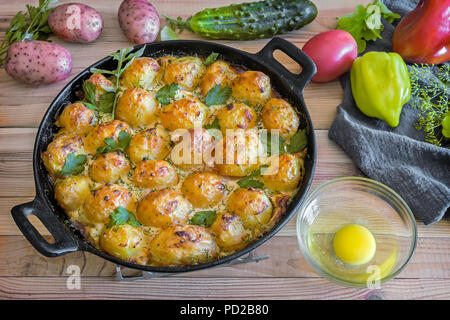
x=380 y=85
x=446 y=125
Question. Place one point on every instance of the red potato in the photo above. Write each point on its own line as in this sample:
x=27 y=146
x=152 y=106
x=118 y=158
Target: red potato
x=333 y=52
x=139 y=21
x=38 y=62
x=76 y=22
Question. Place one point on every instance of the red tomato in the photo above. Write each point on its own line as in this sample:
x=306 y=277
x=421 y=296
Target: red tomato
x=333 y=53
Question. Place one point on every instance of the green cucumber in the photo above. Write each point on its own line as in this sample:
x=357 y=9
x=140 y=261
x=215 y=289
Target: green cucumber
x=249 y=21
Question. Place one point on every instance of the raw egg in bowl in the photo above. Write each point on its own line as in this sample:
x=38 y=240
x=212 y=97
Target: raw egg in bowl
x=356 y=231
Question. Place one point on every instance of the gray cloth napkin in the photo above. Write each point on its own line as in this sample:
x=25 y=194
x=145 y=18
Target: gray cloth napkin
x=397 y=157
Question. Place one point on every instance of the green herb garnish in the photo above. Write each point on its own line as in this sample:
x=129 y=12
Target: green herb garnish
x=124 y=58
x=166 y=93
x=431 y=98
x=32 y=25
x=204 y=218
x=297 y=143
x=212 y=125
x=121 y=216
x=217 y=95
x=105 y=101
x=111 y=145
x=74 y=164
x=211 y=58
x=365 y=23
x=250 y=181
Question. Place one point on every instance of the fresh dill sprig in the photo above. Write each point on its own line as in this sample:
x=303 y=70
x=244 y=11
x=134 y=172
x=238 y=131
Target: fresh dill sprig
x=430 y=95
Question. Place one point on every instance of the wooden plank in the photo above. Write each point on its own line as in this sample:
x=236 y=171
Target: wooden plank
x=218 y=288
x=431 y=261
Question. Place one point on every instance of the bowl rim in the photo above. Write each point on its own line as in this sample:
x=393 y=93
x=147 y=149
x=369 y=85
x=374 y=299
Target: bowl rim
x=317 y=268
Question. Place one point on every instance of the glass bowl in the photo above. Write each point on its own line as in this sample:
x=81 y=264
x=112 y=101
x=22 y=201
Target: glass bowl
x=355 y=200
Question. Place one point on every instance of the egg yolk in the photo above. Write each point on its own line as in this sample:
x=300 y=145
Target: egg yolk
x=354 y=244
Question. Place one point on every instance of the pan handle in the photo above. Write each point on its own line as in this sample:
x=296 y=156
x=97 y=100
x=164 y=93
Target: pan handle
x=63 y=244
x=308 y=66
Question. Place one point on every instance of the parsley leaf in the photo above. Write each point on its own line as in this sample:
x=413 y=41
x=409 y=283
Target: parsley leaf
x=250 y=181
x=212 y=125
x=217 y=95
x=267 y=143
x=74 y=164
x=166 y=93
x=365 y=24
x=211 y=58
x=106 y=102
x=111 y=145
x=298 y=142
x=121 y=216
x=204 y=218
x=89 y=90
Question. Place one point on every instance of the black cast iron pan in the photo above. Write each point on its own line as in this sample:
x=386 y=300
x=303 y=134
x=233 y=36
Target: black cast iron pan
x=69 y=239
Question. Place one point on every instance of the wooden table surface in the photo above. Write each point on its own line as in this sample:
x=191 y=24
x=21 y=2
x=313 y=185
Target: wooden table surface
x=24 y=273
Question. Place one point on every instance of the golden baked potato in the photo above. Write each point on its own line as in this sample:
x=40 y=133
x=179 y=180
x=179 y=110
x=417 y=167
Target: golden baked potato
x=140 y=74
x=76 y=118
x=204 y=189
x=109 y=167
x=253 y=87
x=152 y=174
x=101 y=202
x=279 y=114
x=137 y=107
x=163 y=208
x=253 y=206
x=149 y=144
x=182 y=245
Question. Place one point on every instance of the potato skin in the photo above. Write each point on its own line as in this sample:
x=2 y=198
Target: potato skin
x=137 y=107
x=125 y=242
x=71 y=192
x=182 y=245
x=287 y=176
x=109 y=167
x=238 y=156
x=152 y=174
x=236 y=116
x=96 y=136
x=253 y=87
x=139 y=21
x=38 y=62
x=253 y=206
x=149 y=144
x=76 y=118
x=185 y=113
x=163 y=208
x=57 y=151
x=279 y=114
x=140 y=74
x=186 y=71
x=229 y=231
x=204 y=189
x=104 y=200
x=90 y=22
x=217 y=73
x=199 y=144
